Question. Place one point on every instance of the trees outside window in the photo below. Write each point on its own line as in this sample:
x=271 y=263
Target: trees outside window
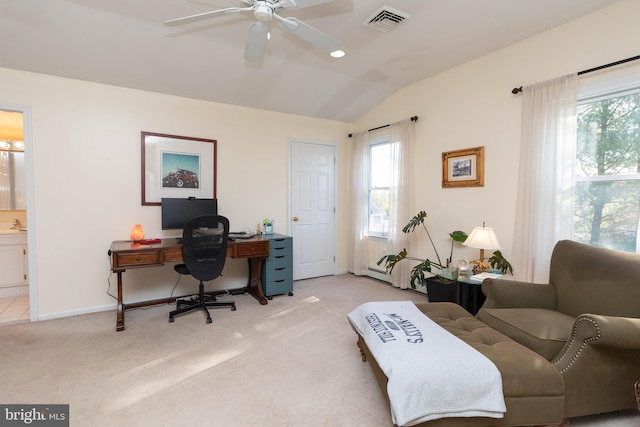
x=379 y=181
x=607 y=191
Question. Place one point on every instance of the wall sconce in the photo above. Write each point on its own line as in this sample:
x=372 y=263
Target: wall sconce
x=482 y=238
x=137 y=233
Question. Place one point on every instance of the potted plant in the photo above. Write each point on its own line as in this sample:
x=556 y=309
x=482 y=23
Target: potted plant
x=439 y=269
x=442 y=273
x=498 y=262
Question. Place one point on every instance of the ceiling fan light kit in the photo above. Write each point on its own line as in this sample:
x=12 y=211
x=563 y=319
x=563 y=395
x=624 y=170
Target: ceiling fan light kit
x=263 y=12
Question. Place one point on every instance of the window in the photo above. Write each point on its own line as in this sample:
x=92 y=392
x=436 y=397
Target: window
x=379 y=182
x=607 y=189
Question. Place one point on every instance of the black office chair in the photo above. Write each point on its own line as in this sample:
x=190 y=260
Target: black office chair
x=204 y=250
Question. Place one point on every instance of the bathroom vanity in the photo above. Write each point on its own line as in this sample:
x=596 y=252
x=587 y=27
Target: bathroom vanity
x=13 y=263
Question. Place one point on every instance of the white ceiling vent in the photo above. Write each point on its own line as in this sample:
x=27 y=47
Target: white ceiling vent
x=385 y=19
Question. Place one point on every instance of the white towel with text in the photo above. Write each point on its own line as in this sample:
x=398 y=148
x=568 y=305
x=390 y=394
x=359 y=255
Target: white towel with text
x=432 y=373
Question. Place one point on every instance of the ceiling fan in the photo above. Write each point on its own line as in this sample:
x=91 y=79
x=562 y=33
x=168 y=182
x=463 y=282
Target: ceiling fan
x=264 y=11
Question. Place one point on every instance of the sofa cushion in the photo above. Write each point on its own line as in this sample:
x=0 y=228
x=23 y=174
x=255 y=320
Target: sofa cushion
x=543 y=331
x=533 y=388
x=524 y=373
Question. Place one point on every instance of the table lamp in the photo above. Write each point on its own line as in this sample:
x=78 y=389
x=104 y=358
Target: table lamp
x=137 y=233
x=482 y=238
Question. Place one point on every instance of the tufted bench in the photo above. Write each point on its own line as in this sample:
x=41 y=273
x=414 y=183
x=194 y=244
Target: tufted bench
x=533 y=388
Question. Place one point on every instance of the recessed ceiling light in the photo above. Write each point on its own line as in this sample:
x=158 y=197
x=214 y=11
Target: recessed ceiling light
x=337 y=53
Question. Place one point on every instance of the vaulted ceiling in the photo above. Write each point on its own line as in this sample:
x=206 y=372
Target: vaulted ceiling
x=125 y=43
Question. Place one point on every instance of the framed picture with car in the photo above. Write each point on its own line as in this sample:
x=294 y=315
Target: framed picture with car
x=177 y=167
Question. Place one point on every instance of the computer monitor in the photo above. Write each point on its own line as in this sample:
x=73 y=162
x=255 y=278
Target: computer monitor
x=176 y=212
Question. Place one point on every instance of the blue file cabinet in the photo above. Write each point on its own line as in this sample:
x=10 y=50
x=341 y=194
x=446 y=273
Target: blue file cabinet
x=277 y=271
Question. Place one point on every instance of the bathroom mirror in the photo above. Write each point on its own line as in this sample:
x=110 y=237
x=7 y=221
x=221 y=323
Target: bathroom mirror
x=13 y=194
x=13 y=188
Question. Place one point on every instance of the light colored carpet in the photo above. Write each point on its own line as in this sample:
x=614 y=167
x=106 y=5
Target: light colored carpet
x=293 y=362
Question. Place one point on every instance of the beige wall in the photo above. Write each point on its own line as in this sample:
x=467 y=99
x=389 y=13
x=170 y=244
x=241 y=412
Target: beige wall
x=472 y=105
x=86 y=155
x=86 y=160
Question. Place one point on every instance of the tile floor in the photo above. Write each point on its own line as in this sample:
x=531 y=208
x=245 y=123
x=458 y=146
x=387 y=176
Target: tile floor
x=14 y=309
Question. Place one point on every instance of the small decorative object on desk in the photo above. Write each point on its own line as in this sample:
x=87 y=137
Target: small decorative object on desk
x=137 y=233
x=465 y=269
x=267 y=226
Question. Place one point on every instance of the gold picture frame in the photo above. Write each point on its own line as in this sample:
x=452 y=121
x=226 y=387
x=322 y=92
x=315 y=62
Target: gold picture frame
x=463 y=168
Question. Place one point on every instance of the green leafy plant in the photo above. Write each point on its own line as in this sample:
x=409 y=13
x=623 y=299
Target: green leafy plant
x=425 y=265
x=499 y=262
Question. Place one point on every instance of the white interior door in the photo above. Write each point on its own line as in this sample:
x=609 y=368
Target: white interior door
x=312 y=209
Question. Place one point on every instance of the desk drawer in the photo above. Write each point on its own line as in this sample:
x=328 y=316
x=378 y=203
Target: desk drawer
x=278 y=262
x=173 y=255
x=278 y=274
x=279 y=251
x=252 y=249
x=137 y=259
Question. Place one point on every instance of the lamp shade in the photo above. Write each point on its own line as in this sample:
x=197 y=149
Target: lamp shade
x=482 y=238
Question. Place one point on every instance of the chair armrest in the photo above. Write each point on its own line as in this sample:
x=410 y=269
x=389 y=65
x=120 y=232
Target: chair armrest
x=599 y=364
x=503 y=293
x=593 y=330
x=614 y=332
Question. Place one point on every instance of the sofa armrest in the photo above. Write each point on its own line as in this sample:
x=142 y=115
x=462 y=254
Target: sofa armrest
x=603 y=354
x=503 y=293
x=612 y=332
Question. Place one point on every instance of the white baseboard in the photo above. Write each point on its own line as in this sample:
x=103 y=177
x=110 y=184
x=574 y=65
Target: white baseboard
x=14 y=291
x=78 y=312
x=378 y=275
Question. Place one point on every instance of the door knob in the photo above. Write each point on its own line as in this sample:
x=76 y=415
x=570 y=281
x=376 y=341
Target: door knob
x=295 y=218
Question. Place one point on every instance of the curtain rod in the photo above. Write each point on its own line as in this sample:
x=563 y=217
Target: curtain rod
x=517 y=90
x=413 y=119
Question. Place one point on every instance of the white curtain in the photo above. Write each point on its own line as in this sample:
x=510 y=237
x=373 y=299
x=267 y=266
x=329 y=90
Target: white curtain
x=360 y=203
x=544 y=211
x=401 y=138
x=399 y=197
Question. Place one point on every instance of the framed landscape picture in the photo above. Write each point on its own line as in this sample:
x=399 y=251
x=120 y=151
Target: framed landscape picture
x=463 y=168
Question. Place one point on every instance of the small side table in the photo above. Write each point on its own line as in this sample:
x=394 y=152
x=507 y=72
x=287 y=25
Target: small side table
x=468 y=295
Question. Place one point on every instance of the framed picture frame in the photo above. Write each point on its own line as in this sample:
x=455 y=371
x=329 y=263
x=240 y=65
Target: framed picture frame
x=463 y=168
x=177 y=166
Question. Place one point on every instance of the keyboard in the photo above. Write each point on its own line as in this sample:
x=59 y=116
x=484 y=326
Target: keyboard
x=240 y=236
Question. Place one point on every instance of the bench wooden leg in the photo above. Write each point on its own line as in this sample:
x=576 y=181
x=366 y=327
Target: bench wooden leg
x=359 y=344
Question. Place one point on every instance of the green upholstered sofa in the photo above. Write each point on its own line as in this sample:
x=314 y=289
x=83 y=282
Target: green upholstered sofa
x=532 y=387
x=585 y=322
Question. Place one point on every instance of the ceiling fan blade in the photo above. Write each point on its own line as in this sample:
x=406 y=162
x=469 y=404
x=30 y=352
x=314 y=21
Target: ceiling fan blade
x=301 y=4
x=309 y=34
x=256 y=41
x=205 y=15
